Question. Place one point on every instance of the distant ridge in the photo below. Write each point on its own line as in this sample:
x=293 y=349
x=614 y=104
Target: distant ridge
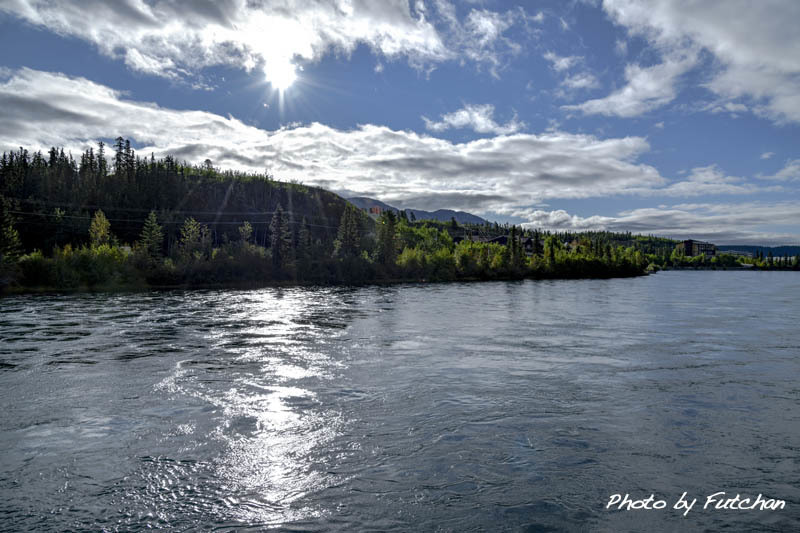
x=443 y=215
x=777 y=251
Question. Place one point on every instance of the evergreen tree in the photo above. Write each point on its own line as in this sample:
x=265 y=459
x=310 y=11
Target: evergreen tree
x=280 y=240
x=99 y=229
x=387 y=239
x=538 y=248
x=152 y=237
x=102 y=164
x=348 y=238
x=304 y=252
x=10 y=244
x=119 y=156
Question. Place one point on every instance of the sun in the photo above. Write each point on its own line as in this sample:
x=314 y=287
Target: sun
x=281 y=74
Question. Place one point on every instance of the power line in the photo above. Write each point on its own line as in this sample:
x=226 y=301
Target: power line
x=141 y=209
x=135 y=221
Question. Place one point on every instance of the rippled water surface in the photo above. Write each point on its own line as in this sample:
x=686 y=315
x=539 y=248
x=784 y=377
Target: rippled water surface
x=453 y=407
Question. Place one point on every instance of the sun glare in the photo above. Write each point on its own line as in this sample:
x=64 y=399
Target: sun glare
x=281 y=75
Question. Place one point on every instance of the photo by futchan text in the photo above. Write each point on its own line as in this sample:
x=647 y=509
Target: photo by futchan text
x=719 y=501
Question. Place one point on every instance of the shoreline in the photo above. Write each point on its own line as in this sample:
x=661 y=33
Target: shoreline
x=135 y=288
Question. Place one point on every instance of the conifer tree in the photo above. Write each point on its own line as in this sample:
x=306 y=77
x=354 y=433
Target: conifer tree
x=152 y=237
x=387 y=239
x=348 y=238
x=10 y=244
x=280 y=240
x=304 y=252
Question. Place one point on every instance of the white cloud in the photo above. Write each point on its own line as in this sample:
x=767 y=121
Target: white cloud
x=178 y=38
x=505 y=174
x=728 y=107
x=790 y=172
x=582 y=80
x=481 y=36
x=744 y=223
x=480 y=118
x=571 y=82
x=708 y=180
x=496 y=174
x=756 y=45
x=560 y=63
x=767 y=155
x=646 y=88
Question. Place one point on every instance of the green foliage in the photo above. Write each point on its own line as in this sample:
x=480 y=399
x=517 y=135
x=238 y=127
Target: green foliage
x=348 y=238
x=334 y=243
x=386 y=251
x=195 y=243
x=151 y=240
x=10 y=243
x=99 y=229
x=245 y=232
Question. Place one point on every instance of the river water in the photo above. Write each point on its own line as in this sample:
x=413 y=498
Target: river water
x=445 y=407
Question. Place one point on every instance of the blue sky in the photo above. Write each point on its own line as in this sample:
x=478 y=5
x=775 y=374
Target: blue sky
x=677 y=118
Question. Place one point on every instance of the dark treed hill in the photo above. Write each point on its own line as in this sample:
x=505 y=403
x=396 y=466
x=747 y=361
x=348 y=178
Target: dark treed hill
x=777 y=251
x=53 y=196
x=441 y=215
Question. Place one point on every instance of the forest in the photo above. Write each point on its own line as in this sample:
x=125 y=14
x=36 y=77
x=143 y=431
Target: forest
x=127 y=221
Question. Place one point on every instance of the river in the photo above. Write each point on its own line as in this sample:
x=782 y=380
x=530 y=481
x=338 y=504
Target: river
x=443 y=407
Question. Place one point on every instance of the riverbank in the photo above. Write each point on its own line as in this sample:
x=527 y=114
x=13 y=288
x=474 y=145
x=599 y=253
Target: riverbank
x=252 y=285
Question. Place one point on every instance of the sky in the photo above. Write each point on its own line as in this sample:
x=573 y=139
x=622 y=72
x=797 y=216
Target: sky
x=678 y=118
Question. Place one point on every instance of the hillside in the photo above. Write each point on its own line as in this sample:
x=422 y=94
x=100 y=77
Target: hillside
x=52 y=198
x=442 y=215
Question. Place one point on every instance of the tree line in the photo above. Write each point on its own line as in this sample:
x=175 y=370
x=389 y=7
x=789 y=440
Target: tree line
x=157 y=222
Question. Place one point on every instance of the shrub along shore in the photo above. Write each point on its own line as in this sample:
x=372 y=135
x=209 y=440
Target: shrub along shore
x=399 y=251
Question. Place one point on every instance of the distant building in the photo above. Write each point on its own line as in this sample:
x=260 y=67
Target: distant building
x=691 y=247
x=375 y=210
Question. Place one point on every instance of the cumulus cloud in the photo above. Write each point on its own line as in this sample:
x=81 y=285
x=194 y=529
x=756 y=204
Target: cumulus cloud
x=646 y=88
x=708 y=180
x=757 y=50
x=505 y=174
x=479 y=118
x=40 y=109
x=790 y=172
x=767 y=155
x=178 y=38
x=744 y=223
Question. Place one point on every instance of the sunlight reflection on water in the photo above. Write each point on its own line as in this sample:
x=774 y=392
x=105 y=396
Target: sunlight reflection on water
x=444 y=407
x=269 y=422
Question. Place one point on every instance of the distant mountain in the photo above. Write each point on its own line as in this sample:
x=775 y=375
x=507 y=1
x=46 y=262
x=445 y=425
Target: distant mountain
x=443 y=215
x=777 y=251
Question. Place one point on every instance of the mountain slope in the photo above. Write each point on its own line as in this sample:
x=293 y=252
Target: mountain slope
x=442 y=215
